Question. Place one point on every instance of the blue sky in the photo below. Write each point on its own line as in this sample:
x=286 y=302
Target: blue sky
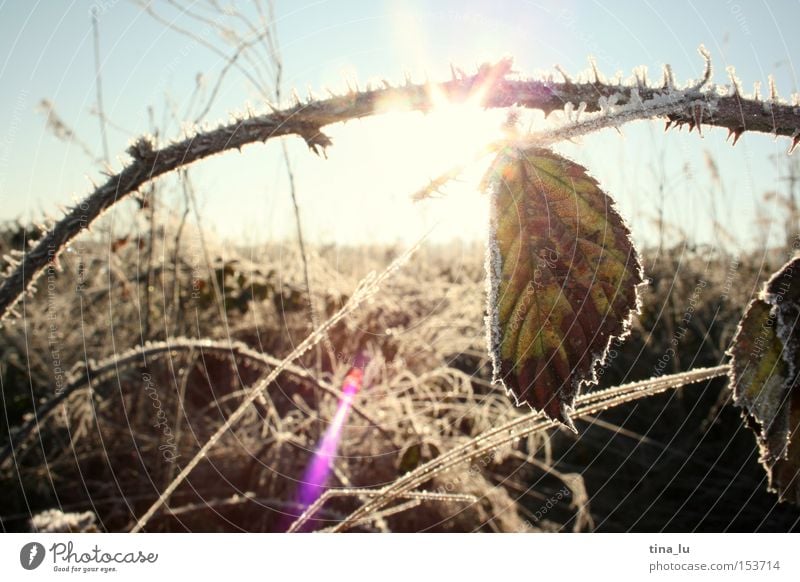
x=360 y=193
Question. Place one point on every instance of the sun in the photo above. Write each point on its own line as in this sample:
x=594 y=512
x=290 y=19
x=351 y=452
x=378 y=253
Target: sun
x=379 y=163
x=449 y=132
x=424 y=147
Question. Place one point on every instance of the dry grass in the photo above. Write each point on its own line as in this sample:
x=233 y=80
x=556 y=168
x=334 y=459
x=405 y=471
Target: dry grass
x=136 y=413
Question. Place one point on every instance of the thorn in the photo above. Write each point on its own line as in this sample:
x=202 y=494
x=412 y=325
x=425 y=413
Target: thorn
x=795 y=141
x=316 y=141
x=669 y=78
x=667 y=125
x=736 y=133
x=773 y=90
x=698 y=117
x=453 y=74
x=737 y=89
x=641 y=77
x=581 y=110
x=563 y=73
x=386 y=84
x=596 y=73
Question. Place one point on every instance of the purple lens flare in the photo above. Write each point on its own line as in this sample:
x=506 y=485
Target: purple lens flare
x=316 y=474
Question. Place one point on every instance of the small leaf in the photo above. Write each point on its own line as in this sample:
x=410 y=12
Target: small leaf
x=764 y=373
x=410 y=459
x=562 y=278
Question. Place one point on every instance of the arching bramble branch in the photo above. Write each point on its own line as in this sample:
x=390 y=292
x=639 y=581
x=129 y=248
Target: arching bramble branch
x=695 y=105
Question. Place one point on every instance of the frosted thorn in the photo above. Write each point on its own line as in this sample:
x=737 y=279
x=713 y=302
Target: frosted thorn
x=595 y=72
x=563 y=73
x=773 y=90
x=581 y=110
x=737 y=88
x=386 y=84
x=568 y=109
x=641 y=77
x=669 y=78
x=453 y=73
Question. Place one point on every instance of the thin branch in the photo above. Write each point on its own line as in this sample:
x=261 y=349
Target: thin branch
x=413 y=495
x=101 y=112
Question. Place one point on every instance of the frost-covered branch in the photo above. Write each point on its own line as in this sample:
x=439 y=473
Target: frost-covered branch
x=90 y=372
x=697 y=104
x=520 y=427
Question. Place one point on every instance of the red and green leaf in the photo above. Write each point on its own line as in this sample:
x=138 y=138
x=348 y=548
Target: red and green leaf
x=765 y=361
x=563 y=278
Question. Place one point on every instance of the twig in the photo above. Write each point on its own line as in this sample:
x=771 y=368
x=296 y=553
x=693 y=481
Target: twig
x=413 y=495
x=101 y=114
x=177 y=302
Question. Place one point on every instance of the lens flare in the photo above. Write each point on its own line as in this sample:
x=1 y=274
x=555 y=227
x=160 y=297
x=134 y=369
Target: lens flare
x=316 y=474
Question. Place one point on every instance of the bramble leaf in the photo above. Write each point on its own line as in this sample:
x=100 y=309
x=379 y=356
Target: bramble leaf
x=765 y=355
x=562 y=276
